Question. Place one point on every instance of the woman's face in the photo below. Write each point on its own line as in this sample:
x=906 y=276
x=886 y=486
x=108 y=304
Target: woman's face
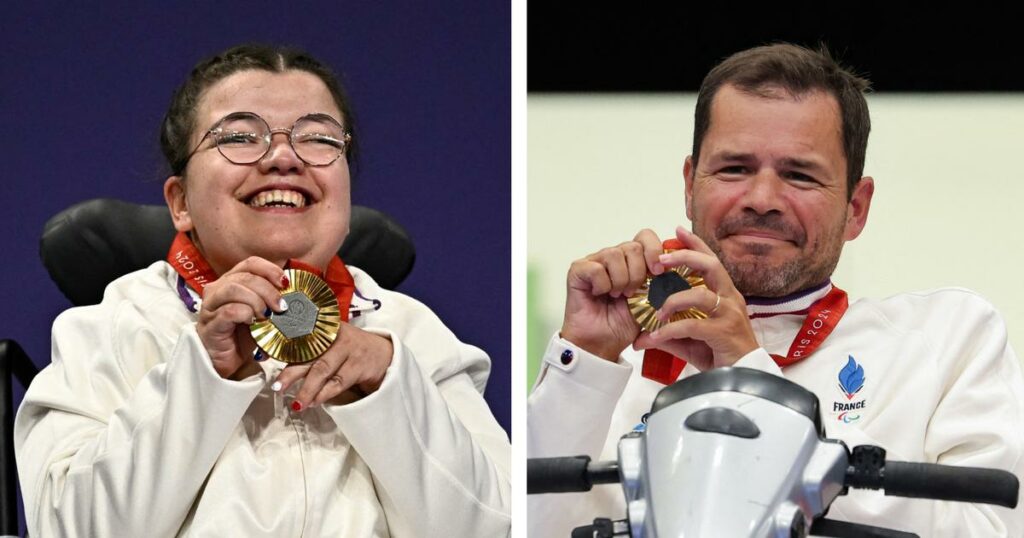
x=221 y=203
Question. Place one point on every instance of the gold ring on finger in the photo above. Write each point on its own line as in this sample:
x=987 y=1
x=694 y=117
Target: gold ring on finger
x=718 y=302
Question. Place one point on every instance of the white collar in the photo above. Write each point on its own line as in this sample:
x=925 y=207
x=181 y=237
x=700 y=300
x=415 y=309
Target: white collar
x=795 y=303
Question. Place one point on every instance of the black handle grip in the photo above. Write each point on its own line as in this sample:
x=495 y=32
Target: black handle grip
x=950 y=483
x=557 y=475
x=565 y=475
x=844 y=529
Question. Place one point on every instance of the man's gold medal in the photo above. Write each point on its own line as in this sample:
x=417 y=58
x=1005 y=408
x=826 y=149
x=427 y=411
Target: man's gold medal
x=656 y=289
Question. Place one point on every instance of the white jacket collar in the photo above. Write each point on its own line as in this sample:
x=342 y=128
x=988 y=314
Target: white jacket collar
x=795 y=303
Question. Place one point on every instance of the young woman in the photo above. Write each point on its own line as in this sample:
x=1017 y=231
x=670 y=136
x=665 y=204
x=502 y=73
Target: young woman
x=158 y=415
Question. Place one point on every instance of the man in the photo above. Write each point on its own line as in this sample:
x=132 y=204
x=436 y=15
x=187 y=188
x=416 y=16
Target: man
x=774 y=188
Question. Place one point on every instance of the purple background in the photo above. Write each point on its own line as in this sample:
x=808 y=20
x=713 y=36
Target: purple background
x=83 y=90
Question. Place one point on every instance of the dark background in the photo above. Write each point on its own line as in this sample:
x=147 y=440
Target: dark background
x=83 y=90
x=669 y=47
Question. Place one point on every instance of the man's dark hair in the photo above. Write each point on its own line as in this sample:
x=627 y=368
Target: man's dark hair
x=180 y=121
x=797 y=70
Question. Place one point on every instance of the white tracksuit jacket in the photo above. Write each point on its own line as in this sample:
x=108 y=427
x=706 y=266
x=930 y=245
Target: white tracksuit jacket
x=941 y=385
x=130 y=432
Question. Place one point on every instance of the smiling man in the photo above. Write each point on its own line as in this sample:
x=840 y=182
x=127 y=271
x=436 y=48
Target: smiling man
x=774 y=188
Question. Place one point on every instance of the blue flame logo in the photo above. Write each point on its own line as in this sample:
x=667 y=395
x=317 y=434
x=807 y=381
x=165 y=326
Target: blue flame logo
x=851 y=378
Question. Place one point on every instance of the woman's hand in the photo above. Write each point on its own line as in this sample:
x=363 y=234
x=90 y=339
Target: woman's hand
x=353 y=366
x=247 y=292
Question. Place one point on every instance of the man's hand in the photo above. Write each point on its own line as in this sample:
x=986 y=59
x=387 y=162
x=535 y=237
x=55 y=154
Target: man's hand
x=230 y=304
x=353 y=366
x=723 y=338
x=597 y=318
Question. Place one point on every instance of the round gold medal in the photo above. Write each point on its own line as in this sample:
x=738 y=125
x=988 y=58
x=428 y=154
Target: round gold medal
x=309 y=326
x=656 y=289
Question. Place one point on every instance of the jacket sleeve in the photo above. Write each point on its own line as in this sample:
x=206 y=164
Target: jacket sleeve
x=116 y=436
x=978 y=422
x=439 y=459
x=569 y=413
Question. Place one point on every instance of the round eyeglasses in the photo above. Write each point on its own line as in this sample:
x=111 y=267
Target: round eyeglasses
x=244 y=138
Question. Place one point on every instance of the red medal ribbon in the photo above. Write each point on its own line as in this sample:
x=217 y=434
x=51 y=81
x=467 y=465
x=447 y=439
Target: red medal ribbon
x=186 y=259
x=190 y=264
x=822 y=318
x=338 y=279
x=672 y=244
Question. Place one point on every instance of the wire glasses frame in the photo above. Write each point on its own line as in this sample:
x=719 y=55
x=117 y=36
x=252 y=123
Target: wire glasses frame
x=244 y=138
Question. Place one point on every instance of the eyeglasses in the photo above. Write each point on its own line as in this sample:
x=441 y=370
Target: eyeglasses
x=244 y=138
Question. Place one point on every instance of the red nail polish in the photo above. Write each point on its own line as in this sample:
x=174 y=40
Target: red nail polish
x=284 y=281
x=296 y=406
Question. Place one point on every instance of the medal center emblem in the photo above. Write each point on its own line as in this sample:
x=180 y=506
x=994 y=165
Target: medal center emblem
x=664 y=285
x=649 y=298
x=299 y=319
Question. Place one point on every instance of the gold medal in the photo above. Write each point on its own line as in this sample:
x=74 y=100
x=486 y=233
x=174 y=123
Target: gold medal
x=656 y=289
x=309 y=326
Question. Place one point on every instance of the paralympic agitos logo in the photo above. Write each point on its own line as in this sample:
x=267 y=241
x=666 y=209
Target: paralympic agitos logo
x=851 y=381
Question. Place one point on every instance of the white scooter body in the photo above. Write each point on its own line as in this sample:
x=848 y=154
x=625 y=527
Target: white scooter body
x=731 y=460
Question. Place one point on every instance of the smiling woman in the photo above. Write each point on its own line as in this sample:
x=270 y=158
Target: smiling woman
x=161 y=416
x=216 y=197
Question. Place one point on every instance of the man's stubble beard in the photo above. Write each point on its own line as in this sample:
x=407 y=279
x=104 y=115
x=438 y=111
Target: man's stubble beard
x=754 y=277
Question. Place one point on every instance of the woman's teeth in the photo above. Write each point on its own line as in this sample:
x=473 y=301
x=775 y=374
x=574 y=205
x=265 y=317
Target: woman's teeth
x=278 y=198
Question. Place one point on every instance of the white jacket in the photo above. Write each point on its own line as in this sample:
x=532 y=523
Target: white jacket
x=941 y=385
x=130 y=432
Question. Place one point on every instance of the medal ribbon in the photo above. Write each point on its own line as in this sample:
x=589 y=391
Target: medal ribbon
x=186 y=259
x=338 y=279
x=822 y=318
x=188 y=262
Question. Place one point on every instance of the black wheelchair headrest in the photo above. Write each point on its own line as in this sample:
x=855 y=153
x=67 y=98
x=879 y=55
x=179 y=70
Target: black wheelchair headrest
x=91 y=243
